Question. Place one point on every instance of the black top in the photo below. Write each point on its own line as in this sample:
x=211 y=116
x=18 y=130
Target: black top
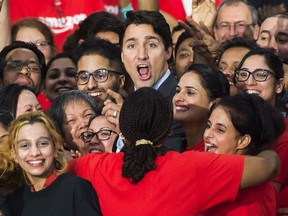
x=67 y=195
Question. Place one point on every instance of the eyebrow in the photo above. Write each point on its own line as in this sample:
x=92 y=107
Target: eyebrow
x=265 y=31
x=149 y=37
x=221 y=124
x=188 y=87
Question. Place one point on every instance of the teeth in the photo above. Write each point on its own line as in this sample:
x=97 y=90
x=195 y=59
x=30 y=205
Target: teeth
x=62 y=90
x=181 y=108
x=252 y=92
x=35 y=162
x=94 y=150
x=95 y=94
x=208 y=144
x=142 y=66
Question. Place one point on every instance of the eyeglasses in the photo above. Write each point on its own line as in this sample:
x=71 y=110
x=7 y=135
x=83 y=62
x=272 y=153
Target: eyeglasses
x=17 y=66
x=101 y=135
x=100 y=75
x=259 y=75
x=42 y=43
x=237 y=27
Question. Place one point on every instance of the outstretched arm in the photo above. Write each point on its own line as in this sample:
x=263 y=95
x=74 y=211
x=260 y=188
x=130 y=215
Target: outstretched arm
x=259 y=169
x=5 y=29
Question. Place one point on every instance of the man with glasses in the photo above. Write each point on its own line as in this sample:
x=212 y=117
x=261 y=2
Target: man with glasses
x=99 y=69
x=236 y=18
x=22 y=63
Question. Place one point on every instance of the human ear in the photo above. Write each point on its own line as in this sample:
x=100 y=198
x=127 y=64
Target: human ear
x=279 y=86
x=243 y=142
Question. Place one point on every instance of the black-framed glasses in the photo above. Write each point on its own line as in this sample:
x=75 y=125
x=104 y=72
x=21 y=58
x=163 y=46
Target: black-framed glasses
x=42 y=43
x=101 y=135
x=240 y=26
x=99 y=75
x=259 y=75
x=17 y=66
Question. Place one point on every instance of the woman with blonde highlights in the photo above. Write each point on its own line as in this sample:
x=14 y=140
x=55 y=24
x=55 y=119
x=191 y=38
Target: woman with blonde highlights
x=36 y=148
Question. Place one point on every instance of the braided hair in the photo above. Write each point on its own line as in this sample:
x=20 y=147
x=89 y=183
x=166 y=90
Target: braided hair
x=145 y=121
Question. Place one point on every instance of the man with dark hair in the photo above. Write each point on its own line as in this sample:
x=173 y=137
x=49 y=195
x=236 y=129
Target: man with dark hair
x=22 y=63
x=99 y=68
x=146 y=48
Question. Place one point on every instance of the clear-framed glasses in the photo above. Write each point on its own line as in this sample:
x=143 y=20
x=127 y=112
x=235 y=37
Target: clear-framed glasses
x=259 y=75
x=17 y=66
x=101 y=135
x=240 y=26
x=40 y=44
x=99 y=75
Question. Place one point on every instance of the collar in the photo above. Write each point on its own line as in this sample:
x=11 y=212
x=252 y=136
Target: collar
x=49 y=180
x=161 y=80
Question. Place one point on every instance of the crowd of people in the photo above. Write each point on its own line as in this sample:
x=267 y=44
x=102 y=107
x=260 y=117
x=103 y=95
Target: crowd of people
x=125 y=107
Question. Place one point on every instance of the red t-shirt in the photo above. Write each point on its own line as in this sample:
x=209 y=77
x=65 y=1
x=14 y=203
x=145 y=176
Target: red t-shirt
x=199 y=147
x=281 y=147
x=258 y=200
x=44 y=101
x=182 y=184
x=62 y=16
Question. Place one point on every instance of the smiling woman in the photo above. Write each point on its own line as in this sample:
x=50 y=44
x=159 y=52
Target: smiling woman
x=60 y=76
x=34 y=146
x=244 y=125
x=71 y=113
x=197 y=90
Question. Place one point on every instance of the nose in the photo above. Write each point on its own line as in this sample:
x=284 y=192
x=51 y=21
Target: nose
x=62 y=79
x=228 y=72
x=207 y=133
x=92 y=83
x=178 y=97
x=273 y=45
x=250 y=80
x=83 y=125
x=24 y=71
x=232 y=31
x=34 y=151
x=142 y=53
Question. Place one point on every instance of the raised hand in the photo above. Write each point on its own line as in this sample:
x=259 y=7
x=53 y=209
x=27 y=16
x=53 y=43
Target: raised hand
x=112 y=109
x=204 y=11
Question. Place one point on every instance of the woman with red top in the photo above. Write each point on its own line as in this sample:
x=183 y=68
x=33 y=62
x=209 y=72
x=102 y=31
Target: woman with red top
x=34 y=146
x=198 y=88
x=146 y=179
x=244 y=125
x=261 y=72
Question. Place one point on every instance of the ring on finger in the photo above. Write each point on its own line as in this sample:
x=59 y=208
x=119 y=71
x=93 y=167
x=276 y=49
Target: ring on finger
x=115 y=114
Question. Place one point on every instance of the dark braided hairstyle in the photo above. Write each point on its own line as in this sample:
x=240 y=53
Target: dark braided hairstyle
x=145 y=114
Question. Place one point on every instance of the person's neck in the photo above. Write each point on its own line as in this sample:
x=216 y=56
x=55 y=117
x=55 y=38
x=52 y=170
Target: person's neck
x=37 y=183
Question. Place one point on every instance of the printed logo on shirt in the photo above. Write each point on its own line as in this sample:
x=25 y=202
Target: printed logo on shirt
x=112 y=9
x=62 y=24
